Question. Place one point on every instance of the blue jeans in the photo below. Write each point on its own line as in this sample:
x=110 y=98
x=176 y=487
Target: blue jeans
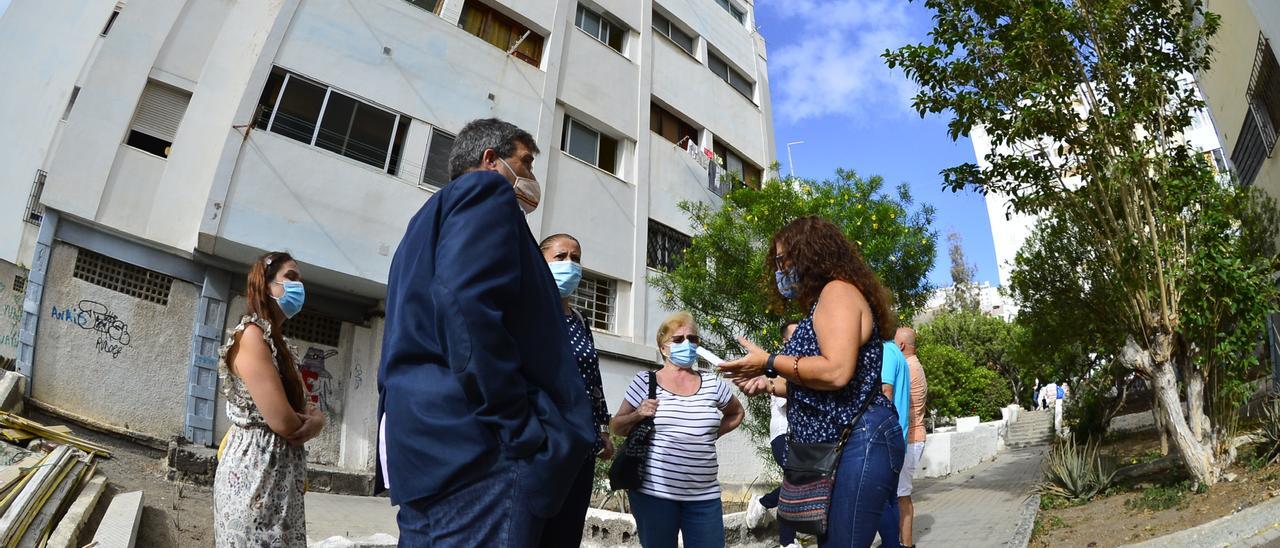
x=786 y=536
x=866 y=479
x=889 y=526
x=658 y=521
x=487 y=512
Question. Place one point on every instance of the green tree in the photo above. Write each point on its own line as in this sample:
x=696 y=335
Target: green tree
x=958 y=387
x=990 y=342
x=1085 y=103
x=962 y=296
x=721 y=279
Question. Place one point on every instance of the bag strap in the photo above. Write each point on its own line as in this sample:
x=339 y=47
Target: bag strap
x=653 y=385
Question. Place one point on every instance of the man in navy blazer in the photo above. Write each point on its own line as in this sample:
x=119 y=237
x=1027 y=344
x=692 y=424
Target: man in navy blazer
x=485 y=418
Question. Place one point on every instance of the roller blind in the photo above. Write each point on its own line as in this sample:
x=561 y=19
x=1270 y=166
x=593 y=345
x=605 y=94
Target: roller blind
x=160 y=111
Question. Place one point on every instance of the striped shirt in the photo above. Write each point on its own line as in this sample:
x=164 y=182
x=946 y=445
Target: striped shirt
x=682 y=460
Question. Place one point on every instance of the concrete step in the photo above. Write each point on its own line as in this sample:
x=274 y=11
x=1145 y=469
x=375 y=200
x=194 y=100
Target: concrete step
x=119 y=526
x=69 y=528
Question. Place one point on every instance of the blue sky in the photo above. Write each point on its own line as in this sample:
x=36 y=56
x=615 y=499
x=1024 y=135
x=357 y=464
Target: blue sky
x=832 y=90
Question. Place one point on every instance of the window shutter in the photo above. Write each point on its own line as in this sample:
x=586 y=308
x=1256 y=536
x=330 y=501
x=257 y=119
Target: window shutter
x=160 y=111
x=436 y=172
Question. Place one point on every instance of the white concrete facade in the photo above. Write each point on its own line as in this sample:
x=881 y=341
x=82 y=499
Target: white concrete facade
x=225 y=190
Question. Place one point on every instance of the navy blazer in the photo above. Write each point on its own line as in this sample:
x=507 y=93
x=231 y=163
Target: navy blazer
x=476 y=366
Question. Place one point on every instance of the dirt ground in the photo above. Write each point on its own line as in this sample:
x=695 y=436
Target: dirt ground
x=174 y=515
x=1107 y=521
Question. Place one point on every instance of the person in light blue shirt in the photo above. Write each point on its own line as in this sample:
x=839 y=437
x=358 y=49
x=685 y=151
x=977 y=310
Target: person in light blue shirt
x=895 y=379
x=895 y=382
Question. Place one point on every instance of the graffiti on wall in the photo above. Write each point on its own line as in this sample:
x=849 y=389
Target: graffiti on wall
x=10 y=318
x=319 y=381
x=112 y=332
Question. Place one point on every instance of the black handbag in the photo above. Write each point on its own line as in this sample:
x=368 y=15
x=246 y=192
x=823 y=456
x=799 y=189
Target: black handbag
x=624 y=472
x=809 y=477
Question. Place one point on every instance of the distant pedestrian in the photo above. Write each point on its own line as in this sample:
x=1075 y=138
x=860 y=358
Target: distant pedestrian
x=895 y=382
x=680 y=492
x=906 y=339
x=484 y=415
x=832 y=369
x=259 y=486
x=563 y=254
x=758 y=508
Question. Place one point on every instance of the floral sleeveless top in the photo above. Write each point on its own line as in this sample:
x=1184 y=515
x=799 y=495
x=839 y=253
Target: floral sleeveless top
x=818 y=416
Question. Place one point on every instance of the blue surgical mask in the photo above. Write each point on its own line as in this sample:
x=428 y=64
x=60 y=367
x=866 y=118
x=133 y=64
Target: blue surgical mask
x=684 y=354
x=294 y=295
x=787 y=282
x=567 y=275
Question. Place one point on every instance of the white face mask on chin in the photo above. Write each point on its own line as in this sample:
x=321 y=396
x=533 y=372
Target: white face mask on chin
x=528 y=191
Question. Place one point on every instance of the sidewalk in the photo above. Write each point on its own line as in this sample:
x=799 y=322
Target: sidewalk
x=982 y=506
x=355 y=518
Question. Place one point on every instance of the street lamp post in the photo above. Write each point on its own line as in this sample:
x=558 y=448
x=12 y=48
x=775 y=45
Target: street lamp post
x=791 y=165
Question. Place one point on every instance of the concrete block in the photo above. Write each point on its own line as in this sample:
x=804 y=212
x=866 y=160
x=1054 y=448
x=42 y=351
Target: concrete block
x=964 y=452
x=380 y=540
x=965 y=424
x=119 y=526
x=935 y=462
x=78 y=514
x=13 y=386
x=191 y=463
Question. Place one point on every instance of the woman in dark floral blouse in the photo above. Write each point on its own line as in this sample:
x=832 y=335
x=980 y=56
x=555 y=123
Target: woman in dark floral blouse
x=564 y=256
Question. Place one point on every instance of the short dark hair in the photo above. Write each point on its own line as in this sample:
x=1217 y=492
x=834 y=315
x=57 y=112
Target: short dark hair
x=546 y=242
x=480 y=135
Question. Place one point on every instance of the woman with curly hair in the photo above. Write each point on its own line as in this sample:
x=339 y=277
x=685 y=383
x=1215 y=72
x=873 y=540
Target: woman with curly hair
x=830 y=370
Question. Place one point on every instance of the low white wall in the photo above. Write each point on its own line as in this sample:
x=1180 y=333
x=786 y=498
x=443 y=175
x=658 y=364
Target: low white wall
x=970 y=443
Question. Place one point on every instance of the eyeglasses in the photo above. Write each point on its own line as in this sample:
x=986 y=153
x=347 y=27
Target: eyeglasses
x=677 y=339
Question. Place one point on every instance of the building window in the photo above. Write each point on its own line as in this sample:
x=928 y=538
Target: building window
x=666 y=28
x=503 y=32
x=739 y=169
x=435 y=172
x=327 y=118
x=71 y=103
x=731 y=75
x=733 y=10
x=112 y=19
x=590 y=146
x=1257 y=136
x=1217 y=161
x=122 y=277
x=595 y=299
x=666 y=246
x=670 y=126
x=432 y=6
x=35 y=211
x=19 y=283
x=160 y=111
x=600 y=27
x=314 y=327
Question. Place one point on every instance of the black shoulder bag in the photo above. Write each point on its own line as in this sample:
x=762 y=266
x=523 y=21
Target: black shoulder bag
x=808 y=478
x=625 y=473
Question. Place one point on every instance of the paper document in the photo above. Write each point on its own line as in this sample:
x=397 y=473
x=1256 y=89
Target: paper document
x=711 y=358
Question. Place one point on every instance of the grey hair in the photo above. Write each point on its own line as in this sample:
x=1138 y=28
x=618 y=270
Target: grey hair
x=480 y=135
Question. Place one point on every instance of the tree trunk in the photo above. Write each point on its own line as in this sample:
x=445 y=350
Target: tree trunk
x=1157 y=363
x=1197 y=457
x=1159 y=420
x=1195 y=404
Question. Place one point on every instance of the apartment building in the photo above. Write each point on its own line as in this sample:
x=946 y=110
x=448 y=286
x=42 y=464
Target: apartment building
x=154 y=148
x=1242 y=88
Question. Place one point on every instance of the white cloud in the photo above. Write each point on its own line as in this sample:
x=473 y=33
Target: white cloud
x=833 y=65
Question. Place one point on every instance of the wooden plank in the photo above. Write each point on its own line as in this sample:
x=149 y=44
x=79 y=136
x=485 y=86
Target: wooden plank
x=25 y=506
x=68 y=530
x=42 y=522
x=119 y=526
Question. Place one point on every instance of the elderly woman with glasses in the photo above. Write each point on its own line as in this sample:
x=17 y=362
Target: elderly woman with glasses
x=680 y=492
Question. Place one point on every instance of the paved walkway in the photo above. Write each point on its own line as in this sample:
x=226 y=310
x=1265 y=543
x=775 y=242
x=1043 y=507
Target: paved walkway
x=981 y=506
x=357 y=518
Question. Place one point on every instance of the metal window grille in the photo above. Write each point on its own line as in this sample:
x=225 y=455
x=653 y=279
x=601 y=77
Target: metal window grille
x=1250 y=151
x=35 y=211
x=19 y=283
x=1264 y=92
x=314 y=327
x=123 y=277
x=666 y=246
x=595 y=299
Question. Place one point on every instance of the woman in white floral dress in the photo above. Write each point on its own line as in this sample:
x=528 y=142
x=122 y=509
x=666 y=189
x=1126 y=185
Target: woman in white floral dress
x=258 y=490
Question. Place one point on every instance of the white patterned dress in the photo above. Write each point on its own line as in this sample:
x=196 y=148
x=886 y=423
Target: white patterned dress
x=259 y=487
